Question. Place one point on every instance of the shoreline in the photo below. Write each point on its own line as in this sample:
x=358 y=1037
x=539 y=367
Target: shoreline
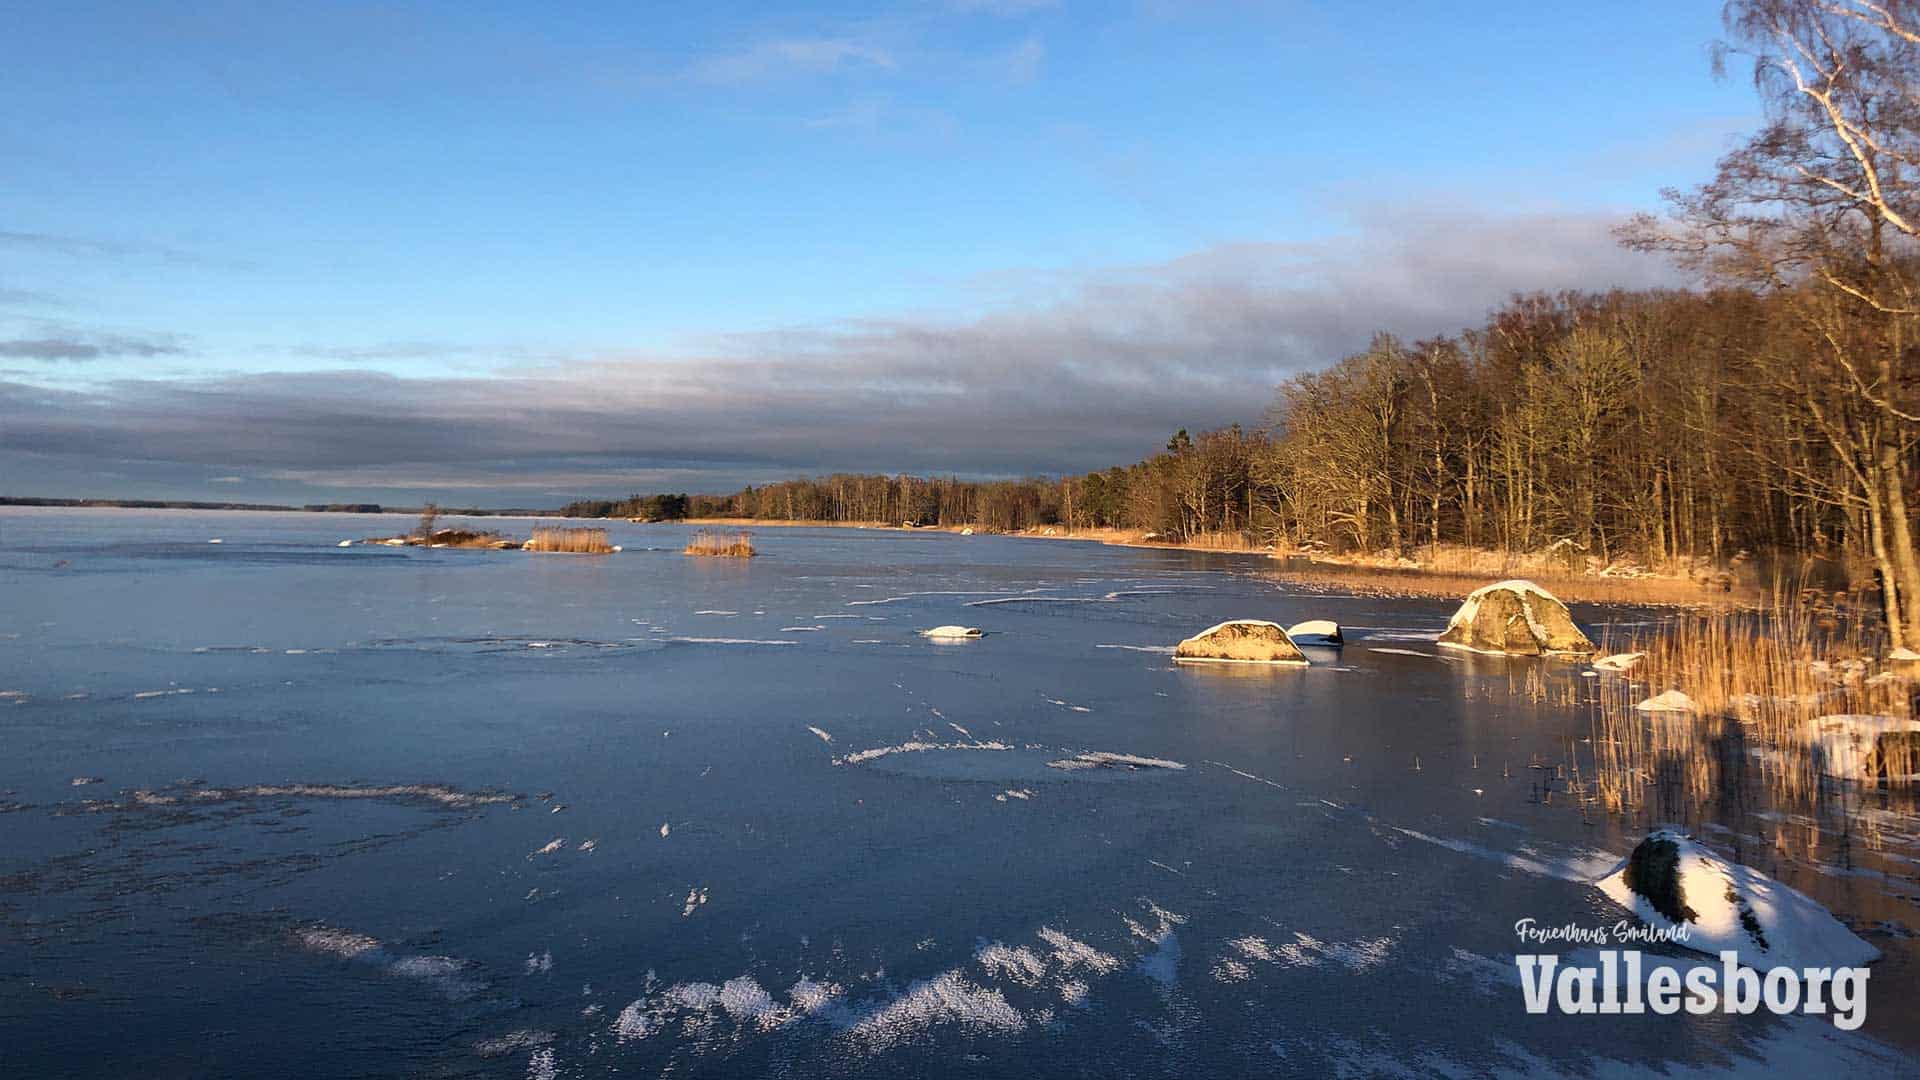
x=1362 y=577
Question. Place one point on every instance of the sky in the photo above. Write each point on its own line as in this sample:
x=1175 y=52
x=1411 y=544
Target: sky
x=511 y=254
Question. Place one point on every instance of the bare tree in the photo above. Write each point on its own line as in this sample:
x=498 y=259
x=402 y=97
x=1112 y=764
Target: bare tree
x=1822 y=207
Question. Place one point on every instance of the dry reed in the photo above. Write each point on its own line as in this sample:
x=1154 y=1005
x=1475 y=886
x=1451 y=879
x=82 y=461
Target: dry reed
x=577 y=541
x=1584 y=588
x=1756 y=743
x=721 y=543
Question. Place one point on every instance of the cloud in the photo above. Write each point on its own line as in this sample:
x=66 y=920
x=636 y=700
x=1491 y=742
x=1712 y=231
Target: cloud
x=82 y=247
x=386 y=351
x=17 y=298
x=86 y=347
x=1097 y=375
x=786 y=57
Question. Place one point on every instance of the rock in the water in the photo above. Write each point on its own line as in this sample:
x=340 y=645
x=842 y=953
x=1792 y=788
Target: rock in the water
x=1673 y=701
x=1315 y=632
x=1518 y=618
x=1671 y=881
x=1621 y=661
x=952 y=633
x=1243 y=641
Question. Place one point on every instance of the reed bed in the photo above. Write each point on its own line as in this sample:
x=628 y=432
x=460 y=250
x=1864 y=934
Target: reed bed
x=576 y=541
x=1582 y=588
x=1796 y=718
x=721 y=543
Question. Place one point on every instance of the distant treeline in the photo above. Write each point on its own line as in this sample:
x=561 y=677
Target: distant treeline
x=1642 y=425
x=643 y=507
x=1645 y=426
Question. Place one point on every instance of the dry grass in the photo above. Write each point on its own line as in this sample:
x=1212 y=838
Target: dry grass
x=1225 y=541
x=1761 y=682
x=721 y=543
x=1582 y=588
x=576 y=541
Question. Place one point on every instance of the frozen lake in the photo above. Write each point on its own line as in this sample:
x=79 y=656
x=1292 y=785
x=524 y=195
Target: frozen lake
x=273 y=805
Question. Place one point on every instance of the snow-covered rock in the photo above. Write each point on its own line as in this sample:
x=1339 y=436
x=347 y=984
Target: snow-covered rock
x=1518 y=618
x=1671 y=880
x=1620 y=661
x=1903 y=653
x=968 y=531
x=1315 y=632
x=951 y=633
x=1672 y=701
x=1866 y=748
x=1241 y=641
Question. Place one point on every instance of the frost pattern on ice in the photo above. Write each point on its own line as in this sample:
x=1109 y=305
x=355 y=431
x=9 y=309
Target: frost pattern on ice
x=1006 y=988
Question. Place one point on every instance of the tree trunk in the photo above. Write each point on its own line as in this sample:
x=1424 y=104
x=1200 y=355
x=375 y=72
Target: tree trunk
x=1890 y=597
x=1899 y=538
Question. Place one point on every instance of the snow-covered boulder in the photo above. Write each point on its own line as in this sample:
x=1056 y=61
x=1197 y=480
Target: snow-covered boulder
x=1620 y=661
x=1670 y=880
x=1671 y=701
x=1518 y=618
x=1241 y=641
x=1866 y=748
x=951 y=633
x=1315 y=632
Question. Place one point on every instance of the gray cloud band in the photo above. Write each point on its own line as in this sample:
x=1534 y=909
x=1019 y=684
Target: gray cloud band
x=1096 y=379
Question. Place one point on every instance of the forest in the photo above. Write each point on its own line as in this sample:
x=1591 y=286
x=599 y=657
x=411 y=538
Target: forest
x=1771 y=411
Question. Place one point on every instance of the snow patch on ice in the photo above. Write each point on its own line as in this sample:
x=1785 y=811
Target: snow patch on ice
x=1670 y=701
x=1101 y=759
x=916 y=746
x=947 y=998
x=1580 y=867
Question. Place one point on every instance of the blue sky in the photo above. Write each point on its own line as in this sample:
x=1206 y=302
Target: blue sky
x=301 y=251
